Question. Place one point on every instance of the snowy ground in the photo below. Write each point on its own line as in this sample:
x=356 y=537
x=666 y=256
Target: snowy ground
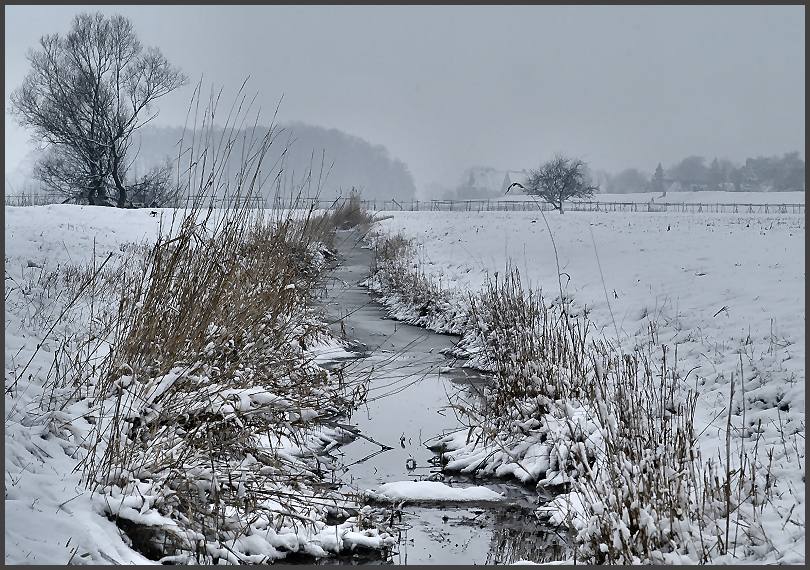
x=727 y=290
x=50 y=516
x=719 y=286
x=42 y=492
x=631 y=267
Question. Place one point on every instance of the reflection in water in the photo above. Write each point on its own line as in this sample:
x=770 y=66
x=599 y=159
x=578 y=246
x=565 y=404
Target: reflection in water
x=517 y=535
x=476 y=535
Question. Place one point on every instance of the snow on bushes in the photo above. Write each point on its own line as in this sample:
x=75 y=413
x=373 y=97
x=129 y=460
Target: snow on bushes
x=620 y=430
x=174 y=410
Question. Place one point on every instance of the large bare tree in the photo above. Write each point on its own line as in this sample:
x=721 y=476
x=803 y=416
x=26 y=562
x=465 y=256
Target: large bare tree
x=558 y=180
x=85 y=95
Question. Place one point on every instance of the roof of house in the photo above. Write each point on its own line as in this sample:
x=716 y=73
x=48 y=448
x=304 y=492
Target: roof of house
x=484 y=178
x=511 y=176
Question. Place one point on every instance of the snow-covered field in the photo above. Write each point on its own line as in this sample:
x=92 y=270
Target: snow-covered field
x=727 y=290
x=708 y=197
x=719 y=276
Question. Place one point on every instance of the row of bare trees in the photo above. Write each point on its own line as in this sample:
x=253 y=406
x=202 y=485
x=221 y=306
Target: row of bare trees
x=86 y=94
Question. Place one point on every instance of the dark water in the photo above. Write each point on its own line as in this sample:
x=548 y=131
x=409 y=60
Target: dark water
x=408 y=405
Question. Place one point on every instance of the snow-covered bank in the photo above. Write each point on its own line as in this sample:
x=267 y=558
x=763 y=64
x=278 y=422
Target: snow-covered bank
x=201 y=447
x=645 y=281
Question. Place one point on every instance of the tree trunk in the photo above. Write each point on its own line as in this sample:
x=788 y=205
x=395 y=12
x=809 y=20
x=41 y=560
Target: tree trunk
x=101 y=196
x=561 y=205
x=122 y=192
x=97 y=196
x=119 y=184
x=94 y=188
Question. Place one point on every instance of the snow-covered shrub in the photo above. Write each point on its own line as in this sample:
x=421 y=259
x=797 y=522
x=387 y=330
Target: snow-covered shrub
x=652 y=496
x=641 y=499
x=612 y=428
x=408 y=293
x=537 y=353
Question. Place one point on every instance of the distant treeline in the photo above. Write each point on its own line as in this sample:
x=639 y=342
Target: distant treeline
x=339 y=160
x=695 y=173
x=348 y=161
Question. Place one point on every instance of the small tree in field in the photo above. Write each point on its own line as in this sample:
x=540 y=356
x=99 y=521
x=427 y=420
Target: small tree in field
x=84 y=96
x=558 y=180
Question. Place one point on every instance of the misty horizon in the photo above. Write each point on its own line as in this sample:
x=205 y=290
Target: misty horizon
x=447 y=89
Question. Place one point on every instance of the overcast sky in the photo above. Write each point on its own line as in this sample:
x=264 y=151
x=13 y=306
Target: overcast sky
x=444 y=88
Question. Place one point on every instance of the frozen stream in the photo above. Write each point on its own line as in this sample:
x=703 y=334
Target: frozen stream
x=407 y=406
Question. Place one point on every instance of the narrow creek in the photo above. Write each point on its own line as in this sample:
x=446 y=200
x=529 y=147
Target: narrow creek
x=410 y=380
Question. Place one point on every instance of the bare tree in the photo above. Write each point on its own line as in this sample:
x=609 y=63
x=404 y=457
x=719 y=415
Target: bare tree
x=85 y=95
x=558 y=180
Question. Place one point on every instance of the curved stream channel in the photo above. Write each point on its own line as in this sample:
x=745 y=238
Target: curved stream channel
x=410 y=380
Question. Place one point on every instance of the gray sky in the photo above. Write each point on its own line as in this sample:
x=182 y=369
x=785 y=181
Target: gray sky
x=444 y=88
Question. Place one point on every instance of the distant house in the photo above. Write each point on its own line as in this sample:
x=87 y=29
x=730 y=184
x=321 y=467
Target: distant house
x=488 y=182
x=512 y=176
x=479 y=182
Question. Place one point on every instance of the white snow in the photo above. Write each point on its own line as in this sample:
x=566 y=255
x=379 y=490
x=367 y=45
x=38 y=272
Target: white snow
x=51 y=517
x=433 y=491
x=708 y=277
x=726 y=289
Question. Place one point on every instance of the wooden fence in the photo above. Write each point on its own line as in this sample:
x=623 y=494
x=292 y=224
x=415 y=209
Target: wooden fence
x=462 y=205
x=35 y=199
x=528 y=205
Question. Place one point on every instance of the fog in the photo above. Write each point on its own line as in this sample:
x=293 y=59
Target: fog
x=448 y=88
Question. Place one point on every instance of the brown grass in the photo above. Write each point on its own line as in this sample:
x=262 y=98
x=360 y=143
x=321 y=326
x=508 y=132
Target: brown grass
x=208 y=381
